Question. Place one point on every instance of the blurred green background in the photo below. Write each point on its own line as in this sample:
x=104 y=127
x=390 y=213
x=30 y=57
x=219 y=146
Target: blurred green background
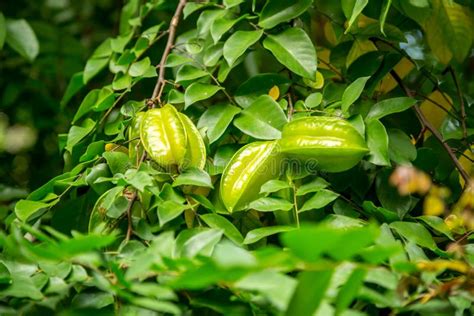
x=31 y=115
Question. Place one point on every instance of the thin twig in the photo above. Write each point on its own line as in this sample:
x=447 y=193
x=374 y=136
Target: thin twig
x=433 y=130
x=156 y=96
x=160 y=83
x=461 y=102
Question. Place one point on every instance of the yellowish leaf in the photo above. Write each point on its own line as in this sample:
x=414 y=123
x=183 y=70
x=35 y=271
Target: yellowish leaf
x=402 y=69
x=274 y=92
x=432 y=108
x=433 y=205
x=441 y=265
x=115 y=147
x=329 y=34
x=318 y=83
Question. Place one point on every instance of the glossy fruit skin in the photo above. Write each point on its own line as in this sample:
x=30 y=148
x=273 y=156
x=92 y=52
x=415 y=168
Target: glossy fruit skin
x=330 y=143
x=164 y=136
x=249 y=168
x=195 y=155
x=171 y=139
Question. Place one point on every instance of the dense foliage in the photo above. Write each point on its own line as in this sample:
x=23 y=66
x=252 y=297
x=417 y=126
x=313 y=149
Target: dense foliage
x=240 y=157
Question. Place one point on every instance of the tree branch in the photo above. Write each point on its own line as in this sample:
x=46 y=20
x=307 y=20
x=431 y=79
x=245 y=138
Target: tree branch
x=426 y=124
x=160 y=83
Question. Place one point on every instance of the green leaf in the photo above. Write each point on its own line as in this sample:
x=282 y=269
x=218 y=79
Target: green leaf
x=310 y=292
x=319 y=200
x=5 y=276
x=236 y=45
x=75 y=85
x=255 y=235
x=24 y=209
x=273 y=286
x=198 y=92
x=269 y=204
x=3 y=30
x=95 y=300
x=257 y=85
x=232 y=3
x=220 y=222
x=350 y=289
x=21 y=37
x=87 y=104
x=313 y=100
x=139 y=68
x=213 y=54
x=415 y=233
x=299 y=57
x=352 y=9
x=274 y=186
x=194 y=176
x=352 y=93
x=169 y=210
x=117 y=161
x=202 y=242
x=93 y=67
x=276 y=12
x=22 y=287
x=188 y=72
x=121 y=81
x=437 y=224
x=388 y=195
x=217 y=119
x=389 y=106
x=77 y=133
x=263 y=119
x=377 y=141
x=313 y=186
x=383 y=14
x=174 y=60
x=401 y=149
x=138 y=179
x=222 y=25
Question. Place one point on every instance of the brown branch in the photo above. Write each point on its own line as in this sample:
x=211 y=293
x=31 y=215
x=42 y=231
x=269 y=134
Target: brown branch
x=156 y=97
x=160 y=83
x=461 y=102
x=426 y=124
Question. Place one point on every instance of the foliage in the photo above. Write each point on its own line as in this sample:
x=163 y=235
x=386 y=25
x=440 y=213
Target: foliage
x=125 y=231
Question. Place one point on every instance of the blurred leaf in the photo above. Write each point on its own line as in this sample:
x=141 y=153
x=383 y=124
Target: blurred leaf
x=3 y=30
x=220 y=222
x=311 y=290
x=21 y=37
x=350 y=289
x=300 y=57
x=75 y=85
x=259 y=233
x=415 y=233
